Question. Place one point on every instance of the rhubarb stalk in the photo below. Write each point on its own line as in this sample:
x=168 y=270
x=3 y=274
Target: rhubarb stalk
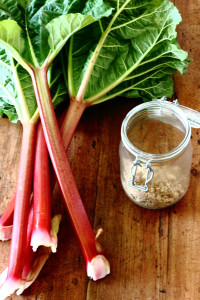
x=71 y=121
x=68 y=127
x=40 y=257
x=34 y=261
x=97 y=264
x=28 y=251
x=22 y=206
x=41 y=234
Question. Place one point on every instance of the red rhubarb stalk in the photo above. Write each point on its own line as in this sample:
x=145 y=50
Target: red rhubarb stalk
x=41 y=234
x=40 y=257
x=21 y=213
x=34 y=260
x=28 y=251
x=29 y=254
x=97 y=264
x=71 y=121
x=68 y=126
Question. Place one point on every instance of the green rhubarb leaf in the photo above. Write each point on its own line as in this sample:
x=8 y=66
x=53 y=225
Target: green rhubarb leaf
x=11 y=39
x=16 y=91
x=8 y=93
x=12 y=9
x=155 y=84
x=137 y=41
x=61 y=28
x=22 y=3
x=25 y=91
x=9 y=111
x=32 y=34
x=57 y=83
x=97 y=9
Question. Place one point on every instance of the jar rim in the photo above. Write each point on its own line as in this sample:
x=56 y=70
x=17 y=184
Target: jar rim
x=150 y=156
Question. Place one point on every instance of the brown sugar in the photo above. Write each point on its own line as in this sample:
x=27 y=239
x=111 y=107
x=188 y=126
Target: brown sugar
x=167 y=186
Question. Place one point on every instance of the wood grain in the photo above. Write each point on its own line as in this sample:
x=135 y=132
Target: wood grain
x=154 y=255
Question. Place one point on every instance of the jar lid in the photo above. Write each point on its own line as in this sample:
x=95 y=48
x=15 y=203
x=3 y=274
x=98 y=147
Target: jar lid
x=186 y=116
x=192 y=115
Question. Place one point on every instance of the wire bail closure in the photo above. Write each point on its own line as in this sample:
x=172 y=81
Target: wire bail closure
x=192 y=115
x=133 y=170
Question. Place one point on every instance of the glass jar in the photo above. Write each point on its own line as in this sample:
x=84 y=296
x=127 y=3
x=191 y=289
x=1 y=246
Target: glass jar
x=155 y=154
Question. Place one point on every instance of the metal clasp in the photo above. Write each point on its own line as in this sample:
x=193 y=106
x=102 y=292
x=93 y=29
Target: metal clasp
x=164 y=98
x=192 y=115
x=149 y=175
x=176 y=102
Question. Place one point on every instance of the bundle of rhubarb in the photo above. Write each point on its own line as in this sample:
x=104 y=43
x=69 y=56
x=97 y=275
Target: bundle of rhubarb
x=87 y=51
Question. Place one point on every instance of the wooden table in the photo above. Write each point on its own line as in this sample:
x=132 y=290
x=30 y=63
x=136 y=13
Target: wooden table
x=153 y=254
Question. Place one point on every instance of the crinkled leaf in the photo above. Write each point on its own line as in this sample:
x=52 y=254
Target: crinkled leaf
x=139 y=40
x=155 y=84
x=33 y=32
x=25 y=30
x=16 y=91
x=97 y=9
x=10 y=36
x=61 y=28
x=22 y=3
x=12 y=9
x=9 y=111
x=24 y=82
x=8 y=93
x=57 y=84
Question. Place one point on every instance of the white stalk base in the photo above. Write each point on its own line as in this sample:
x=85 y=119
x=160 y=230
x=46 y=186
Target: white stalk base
x=6 y=232
x=44 y=238
x=98 y=268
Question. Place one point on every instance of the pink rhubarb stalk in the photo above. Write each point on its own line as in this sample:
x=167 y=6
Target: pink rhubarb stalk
x=21 y=213
x=34 y=260
x=29 y=254
x=40 y=257
x=6 y=221
x=41 y=234
x=68 y=126
x=97 y=264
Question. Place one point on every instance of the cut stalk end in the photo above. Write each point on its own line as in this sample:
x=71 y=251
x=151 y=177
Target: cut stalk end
x=9 y=286
x=42 y=238
x=41 y=257
x=55 y=222
x=5 y=233
x=98 y=268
